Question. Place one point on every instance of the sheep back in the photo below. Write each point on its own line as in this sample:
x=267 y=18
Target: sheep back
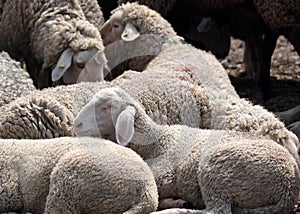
x=169 y=100
x=15 y=81
x=71 y=174
x=163 y=7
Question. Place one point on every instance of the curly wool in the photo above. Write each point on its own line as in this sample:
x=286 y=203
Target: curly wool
x=35 y=118
x=242 y=115
x=279 y=14
x=78 y=33
x=207 y=168
x=40 y=30
x=15 y=81
x=93 y=12
x=141 y=17
x=168 y=100
x=228 y=110
x=164 y=7
x=165 y=98
x=74 y=175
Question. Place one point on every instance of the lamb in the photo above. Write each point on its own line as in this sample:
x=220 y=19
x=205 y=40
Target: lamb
x=49 y=113
x=74 y=175
x=223 y=171
x=57 y=39
x=135 y=30
x=15 y=81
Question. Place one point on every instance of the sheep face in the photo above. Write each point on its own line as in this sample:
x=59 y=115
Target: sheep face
x=115 y=29
x=88 y=65
x=107 y=115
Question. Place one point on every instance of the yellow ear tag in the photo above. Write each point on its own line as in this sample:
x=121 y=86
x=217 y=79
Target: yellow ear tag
x=61 y=64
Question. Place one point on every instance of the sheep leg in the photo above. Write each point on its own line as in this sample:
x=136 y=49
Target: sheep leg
x=250 y=60
x=264 y=60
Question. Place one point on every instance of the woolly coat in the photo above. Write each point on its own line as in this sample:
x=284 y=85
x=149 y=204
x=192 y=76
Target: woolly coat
x=39 y=31
x=283 y=17
x=74 y=175
x=224 y=171
x=229 y=111
x=15 y=81
x=49 y=113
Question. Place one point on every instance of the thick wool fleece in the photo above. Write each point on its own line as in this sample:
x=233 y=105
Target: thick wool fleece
x=74 y=175
x=40 y=30
x=49 y=113
x=164 y=7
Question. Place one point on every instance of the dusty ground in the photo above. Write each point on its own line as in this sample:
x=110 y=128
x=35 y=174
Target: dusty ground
x=285 y=72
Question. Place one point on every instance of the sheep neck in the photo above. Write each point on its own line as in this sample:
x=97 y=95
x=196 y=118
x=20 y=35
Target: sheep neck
x=147 y=137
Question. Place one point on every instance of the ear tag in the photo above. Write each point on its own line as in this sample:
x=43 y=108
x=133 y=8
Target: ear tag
x=61 y=64
x=125 y=34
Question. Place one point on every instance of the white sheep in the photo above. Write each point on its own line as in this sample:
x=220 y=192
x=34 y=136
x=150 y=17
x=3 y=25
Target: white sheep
x=134 y=26
x=257 y=22
x=15 y=81
x=74 y=175
x=58 y=40
x=221 y=171
x=49 y=113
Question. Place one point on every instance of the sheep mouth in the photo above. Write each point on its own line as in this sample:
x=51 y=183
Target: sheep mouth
x=83 y=133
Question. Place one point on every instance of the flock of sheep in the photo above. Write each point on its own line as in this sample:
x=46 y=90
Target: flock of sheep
x=86 y=89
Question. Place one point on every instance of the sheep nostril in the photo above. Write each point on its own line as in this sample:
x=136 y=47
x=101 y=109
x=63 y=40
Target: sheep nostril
x=78 y=125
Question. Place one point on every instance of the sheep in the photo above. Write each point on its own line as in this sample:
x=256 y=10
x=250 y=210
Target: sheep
x=136 y=26
x=56 y=39
x=49 y=113
x=74 y=175
x=282 y=17
x=254 y=22
x=223 y=171
x=15 y=81
x=208 y=33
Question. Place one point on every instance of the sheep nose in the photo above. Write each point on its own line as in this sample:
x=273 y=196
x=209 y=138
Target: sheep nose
x=78 y=125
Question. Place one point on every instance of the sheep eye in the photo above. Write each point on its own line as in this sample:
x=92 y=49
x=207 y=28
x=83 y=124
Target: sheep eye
x=116 y=25
x=80 y=65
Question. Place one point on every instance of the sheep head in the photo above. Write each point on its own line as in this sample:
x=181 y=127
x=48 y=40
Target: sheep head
x=115 y=29
x=131 y=20
x=86 y=65
x=110 y=114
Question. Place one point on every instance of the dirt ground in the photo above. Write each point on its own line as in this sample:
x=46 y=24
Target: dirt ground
x=285 y=75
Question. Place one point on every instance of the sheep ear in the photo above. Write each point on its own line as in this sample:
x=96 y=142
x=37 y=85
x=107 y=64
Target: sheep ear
x=125 y=126
x=63 y=64
x=205 y=25
x=130 y=33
